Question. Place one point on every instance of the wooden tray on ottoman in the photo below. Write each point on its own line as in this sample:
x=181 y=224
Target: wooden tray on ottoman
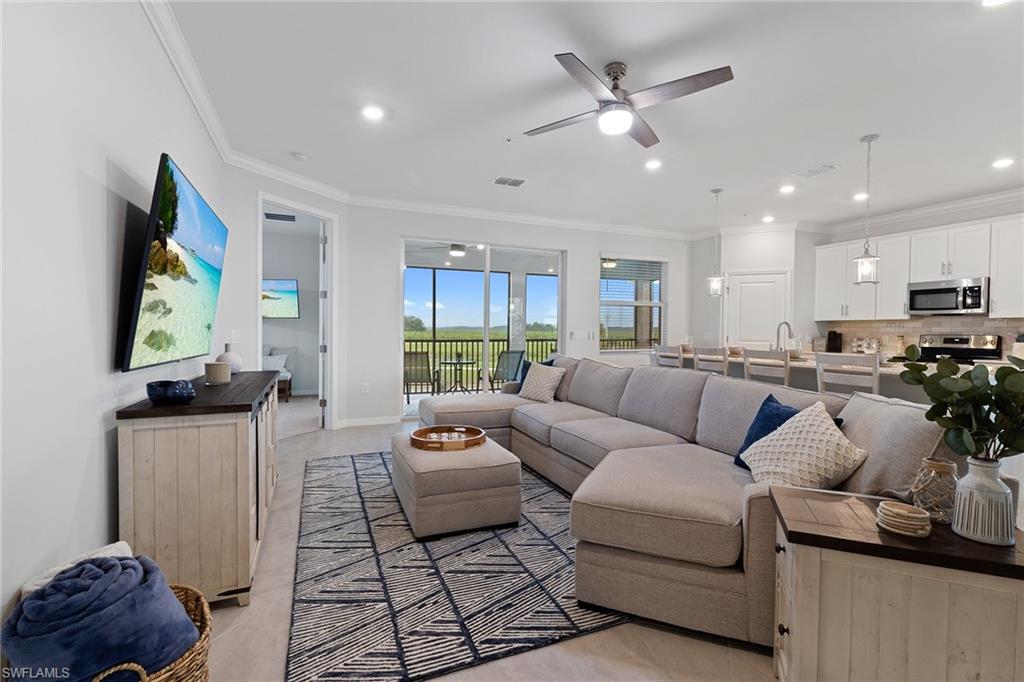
x=448 y=437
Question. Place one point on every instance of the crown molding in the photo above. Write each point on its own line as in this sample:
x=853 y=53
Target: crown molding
x=168 y=31
x=758 y=228
x=982 y=201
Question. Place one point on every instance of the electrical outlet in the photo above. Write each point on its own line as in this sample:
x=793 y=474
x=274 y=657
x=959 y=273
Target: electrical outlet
x=364 y=388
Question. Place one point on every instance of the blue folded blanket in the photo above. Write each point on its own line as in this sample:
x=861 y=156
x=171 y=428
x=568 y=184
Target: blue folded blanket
x=96 y=614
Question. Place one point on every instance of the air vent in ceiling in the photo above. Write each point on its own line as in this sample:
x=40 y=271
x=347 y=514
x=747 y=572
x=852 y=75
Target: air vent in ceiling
x=283 y=217
x=814 y=171
x=508 y=182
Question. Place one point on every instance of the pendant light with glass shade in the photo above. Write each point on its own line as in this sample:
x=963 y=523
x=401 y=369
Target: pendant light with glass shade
x=716 y=282
x=867 y=262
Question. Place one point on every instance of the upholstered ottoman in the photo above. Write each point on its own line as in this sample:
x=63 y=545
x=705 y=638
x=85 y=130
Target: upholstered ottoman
x=444 y=492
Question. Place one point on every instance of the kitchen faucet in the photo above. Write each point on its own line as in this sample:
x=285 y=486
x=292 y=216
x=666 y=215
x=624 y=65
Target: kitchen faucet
x=778 y=334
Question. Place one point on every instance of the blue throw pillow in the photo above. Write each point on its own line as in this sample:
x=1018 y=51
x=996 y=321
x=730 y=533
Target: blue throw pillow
x=526 y=368
x=771 y=415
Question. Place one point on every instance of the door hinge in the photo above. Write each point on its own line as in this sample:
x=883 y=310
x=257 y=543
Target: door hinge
x=323 y=347
x=323 y=294
x=323 y=402
x=323 y=239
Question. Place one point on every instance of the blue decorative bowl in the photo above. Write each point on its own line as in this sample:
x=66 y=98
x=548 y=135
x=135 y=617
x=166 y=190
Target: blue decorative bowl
x=171 y=392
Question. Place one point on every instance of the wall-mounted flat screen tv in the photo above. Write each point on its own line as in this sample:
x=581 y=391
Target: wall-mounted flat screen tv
x=179 y=275
x=280 y=298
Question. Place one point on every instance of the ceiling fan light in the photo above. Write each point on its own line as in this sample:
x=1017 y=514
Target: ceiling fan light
x=457 y=250
x=615 y=118
x=608 y=263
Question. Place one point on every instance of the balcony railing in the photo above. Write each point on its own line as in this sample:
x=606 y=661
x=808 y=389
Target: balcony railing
x=439 y=376
x=629 y=344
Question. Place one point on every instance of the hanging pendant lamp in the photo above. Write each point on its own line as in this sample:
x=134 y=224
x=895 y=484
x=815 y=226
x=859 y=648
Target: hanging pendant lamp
x=716 y=282
x=867 y=262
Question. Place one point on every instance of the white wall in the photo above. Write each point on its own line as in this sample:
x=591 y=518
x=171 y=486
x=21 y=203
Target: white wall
x=705 y=311
x=90 y=101
x=296 y=256
x=374 y=262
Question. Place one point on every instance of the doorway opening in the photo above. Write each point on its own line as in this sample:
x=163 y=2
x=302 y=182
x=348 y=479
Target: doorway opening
x=474 y=314
x=294 y=316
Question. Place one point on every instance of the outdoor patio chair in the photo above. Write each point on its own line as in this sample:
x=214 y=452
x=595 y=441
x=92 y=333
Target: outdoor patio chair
x=509 y=364
x=418 y=372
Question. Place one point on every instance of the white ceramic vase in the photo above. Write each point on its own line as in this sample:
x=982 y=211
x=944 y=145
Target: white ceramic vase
x=983 y=510
x=231 y=357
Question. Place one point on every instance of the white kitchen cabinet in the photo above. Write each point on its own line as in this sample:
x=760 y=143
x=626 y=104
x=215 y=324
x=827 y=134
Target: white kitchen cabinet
x=893 y=277
x=969 y=251
x=830 y=283
x=1006 y=295
x=948 y=253
x=860 y=298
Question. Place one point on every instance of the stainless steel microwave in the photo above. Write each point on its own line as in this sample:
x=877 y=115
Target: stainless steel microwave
x=949 y=297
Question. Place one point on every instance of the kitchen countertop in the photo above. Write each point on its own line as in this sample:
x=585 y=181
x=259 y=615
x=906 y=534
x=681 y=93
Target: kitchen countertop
x=807 y=361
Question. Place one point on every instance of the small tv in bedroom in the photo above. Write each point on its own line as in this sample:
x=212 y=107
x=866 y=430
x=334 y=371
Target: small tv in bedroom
x=178 y=275
x=280 y=299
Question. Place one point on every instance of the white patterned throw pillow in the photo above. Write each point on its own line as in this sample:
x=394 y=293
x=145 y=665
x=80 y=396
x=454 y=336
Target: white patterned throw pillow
x=808 y=451
x=541 y=382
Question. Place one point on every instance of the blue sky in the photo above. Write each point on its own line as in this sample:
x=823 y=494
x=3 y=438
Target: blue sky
x=460 y=298
x=199 y=228
x=280 y=285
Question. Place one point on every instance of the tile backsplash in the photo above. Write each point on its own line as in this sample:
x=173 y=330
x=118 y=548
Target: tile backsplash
x=886 y=331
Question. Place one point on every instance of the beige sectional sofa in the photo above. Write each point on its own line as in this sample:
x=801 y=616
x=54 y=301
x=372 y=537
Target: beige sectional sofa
x=668 y=527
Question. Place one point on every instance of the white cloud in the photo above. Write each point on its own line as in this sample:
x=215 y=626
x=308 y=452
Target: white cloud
x=439 y=306
x=409 y=303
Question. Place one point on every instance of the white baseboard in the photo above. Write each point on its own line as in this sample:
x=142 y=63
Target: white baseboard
x=306 y=392
x=365 y=421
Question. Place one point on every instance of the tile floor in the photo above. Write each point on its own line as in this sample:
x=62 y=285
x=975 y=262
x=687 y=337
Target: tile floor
x=250 y=644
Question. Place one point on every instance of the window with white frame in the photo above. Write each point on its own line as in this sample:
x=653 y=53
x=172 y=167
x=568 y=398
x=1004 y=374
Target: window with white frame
x=632 y=303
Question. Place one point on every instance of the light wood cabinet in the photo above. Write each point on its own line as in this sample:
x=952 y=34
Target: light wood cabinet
x=195 y=482
x=1006 y=291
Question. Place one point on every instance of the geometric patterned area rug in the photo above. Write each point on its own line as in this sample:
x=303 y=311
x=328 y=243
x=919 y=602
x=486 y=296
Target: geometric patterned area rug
x=372 y=602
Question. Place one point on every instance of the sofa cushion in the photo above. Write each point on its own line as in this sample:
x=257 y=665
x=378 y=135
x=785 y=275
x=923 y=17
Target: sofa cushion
x=541 y=382
x=664 y=398
x=599 y=386
x=728 y=406
x=589 y=440
x=486 y=410
x=895 y=435
x=569 y=365
x=536 y=419
x=681 y=502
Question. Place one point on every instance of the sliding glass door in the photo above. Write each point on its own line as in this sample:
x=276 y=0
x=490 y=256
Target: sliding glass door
x=473 y=314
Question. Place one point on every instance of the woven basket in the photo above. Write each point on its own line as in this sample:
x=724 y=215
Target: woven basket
x=191 y=666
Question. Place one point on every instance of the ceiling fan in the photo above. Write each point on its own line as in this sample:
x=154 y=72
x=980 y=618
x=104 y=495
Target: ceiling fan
x=617 y=108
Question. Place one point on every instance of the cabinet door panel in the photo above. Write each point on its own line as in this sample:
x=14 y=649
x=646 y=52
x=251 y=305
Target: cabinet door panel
x=829 y=283
x=1006 y=297
x=860 y=298
x=928 y=252
x=893 y=277
x=968 y=251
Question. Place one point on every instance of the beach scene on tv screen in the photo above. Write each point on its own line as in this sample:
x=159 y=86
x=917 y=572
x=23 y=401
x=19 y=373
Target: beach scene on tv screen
x=280 y=298
x=186 y=258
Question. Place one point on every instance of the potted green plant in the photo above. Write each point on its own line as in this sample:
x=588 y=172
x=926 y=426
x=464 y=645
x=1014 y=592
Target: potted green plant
x=982 y=416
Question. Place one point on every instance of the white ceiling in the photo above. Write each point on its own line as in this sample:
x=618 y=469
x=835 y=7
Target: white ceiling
x=942 y=83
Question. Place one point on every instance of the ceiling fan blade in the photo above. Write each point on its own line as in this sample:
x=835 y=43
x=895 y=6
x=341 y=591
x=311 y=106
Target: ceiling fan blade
x=679 y=88
x=642 y=132
x=563 y=123
x=585 y=77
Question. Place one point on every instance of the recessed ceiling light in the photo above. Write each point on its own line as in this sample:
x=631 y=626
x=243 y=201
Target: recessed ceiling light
x=608 y=263
x=787 y=189
x=652 y=164
x=1002 y=163
x=551 y=269
x=860 y=196
x=299 y=156
x=993 y=3
x=480 y=247
x=768 y=219
x=447 y=263
x=372 y=112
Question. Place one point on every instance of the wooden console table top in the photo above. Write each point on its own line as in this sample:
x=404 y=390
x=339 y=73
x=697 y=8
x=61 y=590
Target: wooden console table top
x=846 y=523
x=243 y=394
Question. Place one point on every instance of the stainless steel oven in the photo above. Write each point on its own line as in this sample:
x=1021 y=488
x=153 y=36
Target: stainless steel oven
x=949 y=297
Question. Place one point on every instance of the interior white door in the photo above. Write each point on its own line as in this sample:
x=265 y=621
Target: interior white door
x=893 y=277
x=323 y=311
x=928 y=252
x=860 y=298
x=830 y=283
x=968 y=251
x=1006 y=295
x=755 y=305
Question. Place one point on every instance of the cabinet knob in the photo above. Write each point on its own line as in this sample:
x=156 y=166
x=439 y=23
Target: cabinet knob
x=783 y=630
x=779 y=548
